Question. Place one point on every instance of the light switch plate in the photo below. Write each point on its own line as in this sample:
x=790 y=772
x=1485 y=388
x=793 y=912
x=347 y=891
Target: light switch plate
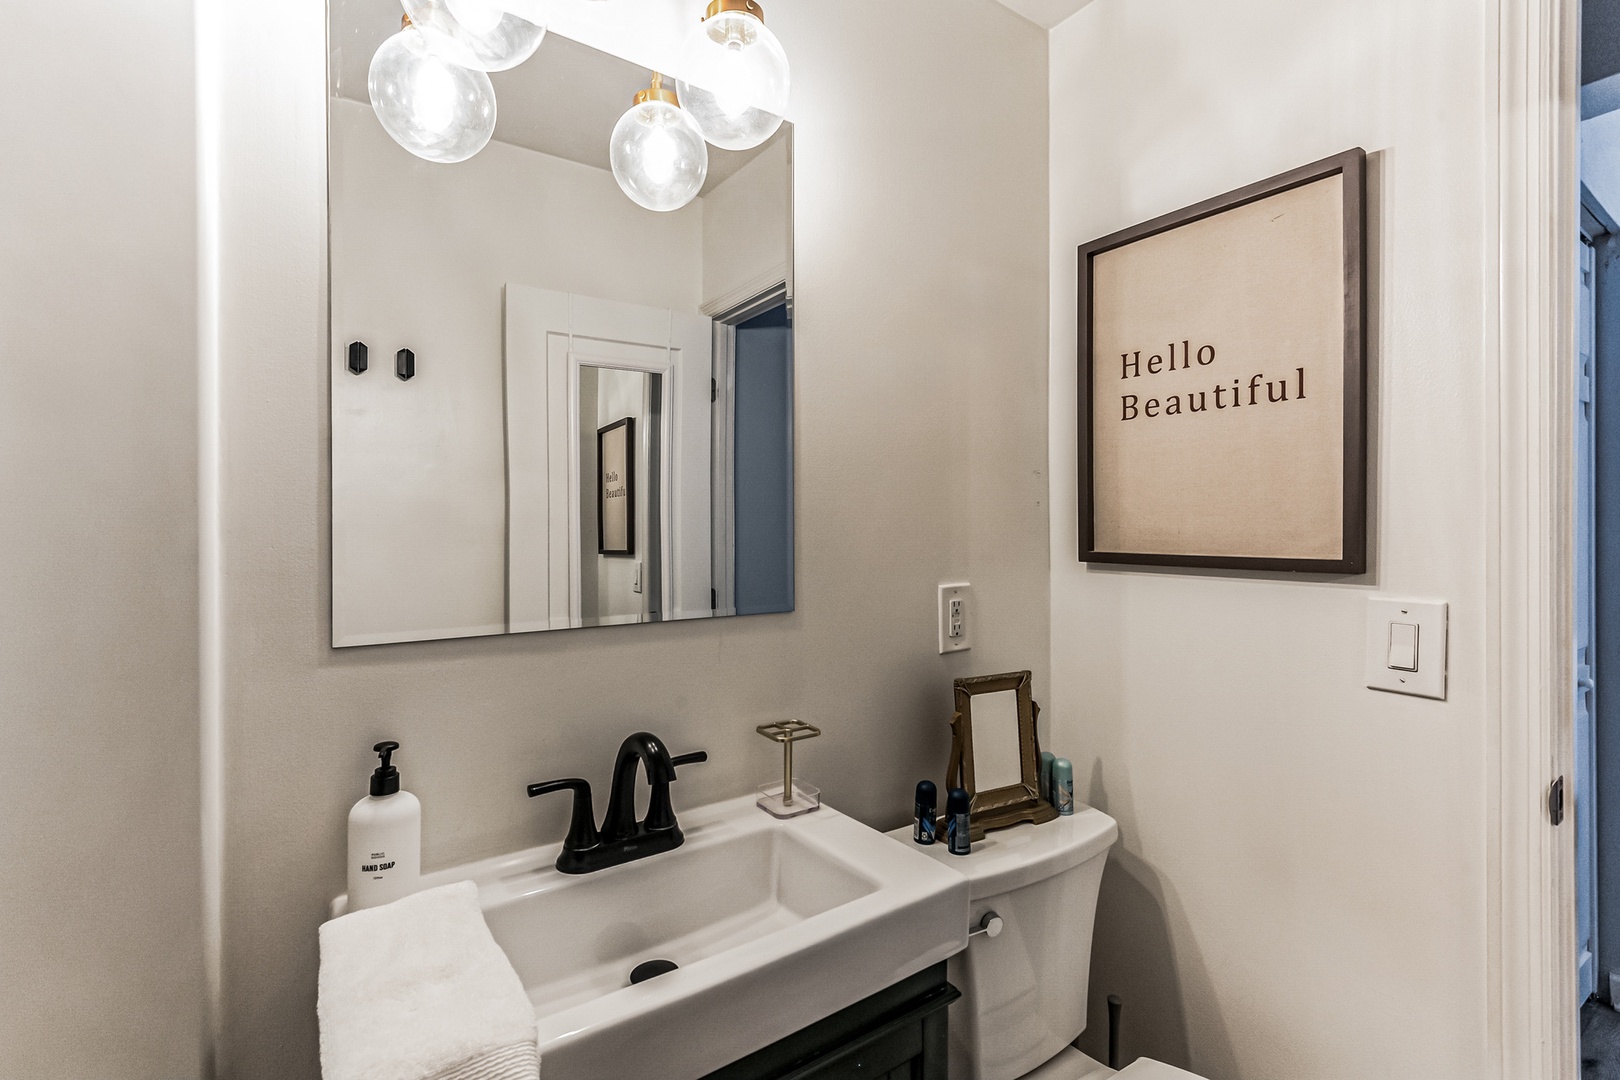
x=955 y=617
x=1429 y=680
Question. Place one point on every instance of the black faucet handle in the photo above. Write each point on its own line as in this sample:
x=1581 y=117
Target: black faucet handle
x=582 y=834
x=660 y=814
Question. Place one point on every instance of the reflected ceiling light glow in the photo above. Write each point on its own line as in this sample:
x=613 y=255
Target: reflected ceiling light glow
x=657 y=152
x=734 y=76
x=477 y=34
x=437 y=110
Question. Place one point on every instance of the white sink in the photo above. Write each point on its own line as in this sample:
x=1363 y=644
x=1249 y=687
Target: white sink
x=774 y=925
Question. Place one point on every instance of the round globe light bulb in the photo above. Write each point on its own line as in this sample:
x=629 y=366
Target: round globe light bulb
x=658 y=155
x=476 y=16
x=734 y=80
x=437 y=110
x=477 y=34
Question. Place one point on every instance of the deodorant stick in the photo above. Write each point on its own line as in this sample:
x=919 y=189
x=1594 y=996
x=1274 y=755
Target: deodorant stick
x=957 y=825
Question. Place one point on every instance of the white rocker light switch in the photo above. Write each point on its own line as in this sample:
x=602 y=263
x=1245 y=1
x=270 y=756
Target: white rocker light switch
x=1406 y=648
x=1403 y=646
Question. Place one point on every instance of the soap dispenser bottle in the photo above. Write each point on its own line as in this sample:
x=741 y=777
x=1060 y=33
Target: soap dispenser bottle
x=385 y=838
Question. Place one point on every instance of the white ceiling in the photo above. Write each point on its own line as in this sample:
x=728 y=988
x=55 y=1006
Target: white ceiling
x=562 y=101
x=1047 y=13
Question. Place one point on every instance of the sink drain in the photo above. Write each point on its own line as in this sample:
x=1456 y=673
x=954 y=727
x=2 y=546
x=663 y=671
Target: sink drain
x=651 y=970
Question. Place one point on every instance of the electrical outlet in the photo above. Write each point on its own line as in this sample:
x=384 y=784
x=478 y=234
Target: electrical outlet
x=955 y=618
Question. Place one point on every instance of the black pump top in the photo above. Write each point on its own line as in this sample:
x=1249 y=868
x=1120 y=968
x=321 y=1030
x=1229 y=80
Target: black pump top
x=385 y=781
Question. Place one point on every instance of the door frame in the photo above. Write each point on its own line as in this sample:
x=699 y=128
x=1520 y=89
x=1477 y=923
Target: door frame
x=1585 y=776
x=1529 y=250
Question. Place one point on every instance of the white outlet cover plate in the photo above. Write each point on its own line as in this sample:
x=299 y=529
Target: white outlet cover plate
x=1429 y=680
x=959 y=591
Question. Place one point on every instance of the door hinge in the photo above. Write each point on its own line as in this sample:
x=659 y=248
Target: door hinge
x=714 y=391
x=1555 y=801
x=714 y=600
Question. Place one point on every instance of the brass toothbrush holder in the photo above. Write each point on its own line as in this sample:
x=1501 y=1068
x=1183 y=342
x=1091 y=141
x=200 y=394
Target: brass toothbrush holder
x=787 y=799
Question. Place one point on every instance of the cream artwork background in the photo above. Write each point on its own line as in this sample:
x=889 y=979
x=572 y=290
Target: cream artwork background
x=1218 y=383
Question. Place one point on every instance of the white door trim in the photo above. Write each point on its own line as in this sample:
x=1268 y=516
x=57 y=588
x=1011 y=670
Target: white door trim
x=597 y=353
x=1530 y=326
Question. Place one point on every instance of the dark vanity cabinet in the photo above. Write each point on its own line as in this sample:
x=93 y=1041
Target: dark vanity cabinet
x=896 y=1034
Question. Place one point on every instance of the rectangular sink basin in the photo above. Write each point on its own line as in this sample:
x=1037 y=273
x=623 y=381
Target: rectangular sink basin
x=772 y=925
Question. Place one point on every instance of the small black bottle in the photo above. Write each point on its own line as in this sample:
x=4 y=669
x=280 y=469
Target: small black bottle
x=957 y=823
x=923 y=813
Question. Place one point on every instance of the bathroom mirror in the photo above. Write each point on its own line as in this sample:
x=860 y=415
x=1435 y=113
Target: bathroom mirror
x=994 y=737
x=993 y=752
x=502 y=325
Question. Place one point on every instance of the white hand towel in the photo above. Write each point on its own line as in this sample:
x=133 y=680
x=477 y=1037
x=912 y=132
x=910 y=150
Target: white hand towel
x=418 y=990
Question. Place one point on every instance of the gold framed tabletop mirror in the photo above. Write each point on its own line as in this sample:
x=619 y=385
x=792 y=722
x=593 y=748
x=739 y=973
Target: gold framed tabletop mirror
x=994 y=755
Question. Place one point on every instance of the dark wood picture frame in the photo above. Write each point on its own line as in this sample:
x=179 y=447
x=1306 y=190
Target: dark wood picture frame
x=1015 y=803
x=628 y=427
x=1352 y=166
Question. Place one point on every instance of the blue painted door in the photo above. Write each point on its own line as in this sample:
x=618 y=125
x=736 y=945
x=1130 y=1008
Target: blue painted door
x=764 y=464
x=1585 y=787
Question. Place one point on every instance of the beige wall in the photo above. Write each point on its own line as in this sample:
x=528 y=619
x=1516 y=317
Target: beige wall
x=921 y=342
x=100 y=889
x=745 y=247
x=1299 y=886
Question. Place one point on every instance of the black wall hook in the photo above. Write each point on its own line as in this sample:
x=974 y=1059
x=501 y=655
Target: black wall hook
x=358 y=357
x=405 y=364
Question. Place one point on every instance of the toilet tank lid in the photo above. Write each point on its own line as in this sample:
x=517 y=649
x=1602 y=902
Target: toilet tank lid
x=1009 y=859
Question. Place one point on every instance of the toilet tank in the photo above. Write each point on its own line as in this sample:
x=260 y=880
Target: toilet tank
x=1024 y=991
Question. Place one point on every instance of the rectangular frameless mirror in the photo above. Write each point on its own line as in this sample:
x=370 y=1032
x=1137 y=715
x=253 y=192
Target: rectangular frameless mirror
x=568 y=410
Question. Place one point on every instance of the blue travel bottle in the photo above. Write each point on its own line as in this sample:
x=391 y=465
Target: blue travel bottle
x=1063 y=787
x=923 y=812
x=957 y=824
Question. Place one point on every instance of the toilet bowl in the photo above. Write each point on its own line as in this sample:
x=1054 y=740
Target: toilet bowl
x=1024 y=987
x=1071 y=1064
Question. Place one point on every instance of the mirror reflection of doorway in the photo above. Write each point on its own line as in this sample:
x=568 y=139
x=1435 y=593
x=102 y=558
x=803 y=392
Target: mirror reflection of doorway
x=621 y=588
x=763 y=544
x=753 y=456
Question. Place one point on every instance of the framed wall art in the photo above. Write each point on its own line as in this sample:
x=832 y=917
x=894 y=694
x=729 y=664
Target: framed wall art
x=616 y=488
x=1222 y=380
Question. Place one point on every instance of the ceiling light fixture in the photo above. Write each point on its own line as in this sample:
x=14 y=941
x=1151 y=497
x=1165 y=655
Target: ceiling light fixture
x=658 y=154
x=734 y=76
x=437 y=110
x=477 y=34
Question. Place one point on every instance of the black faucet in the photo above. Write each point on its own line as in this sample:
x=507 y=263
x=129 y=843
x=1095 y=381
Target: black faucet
x=622 y=839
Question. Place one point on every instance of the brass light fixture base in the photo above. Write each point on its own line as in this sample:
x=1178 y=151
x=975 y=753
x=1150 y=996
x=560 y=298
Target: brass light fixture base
x=748 y=6
x=658 y=92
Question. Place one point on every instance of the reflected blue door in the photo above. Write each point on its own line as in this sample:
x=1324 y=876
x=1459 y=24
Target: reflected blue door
x=764 y=464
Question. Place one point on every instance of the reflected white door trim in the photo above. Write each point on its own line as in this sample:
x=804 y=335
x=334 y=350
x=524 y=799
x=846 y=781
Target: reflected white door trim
x=621 y=356
x=534 y=318
x=724 y=442
x=548 y=335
